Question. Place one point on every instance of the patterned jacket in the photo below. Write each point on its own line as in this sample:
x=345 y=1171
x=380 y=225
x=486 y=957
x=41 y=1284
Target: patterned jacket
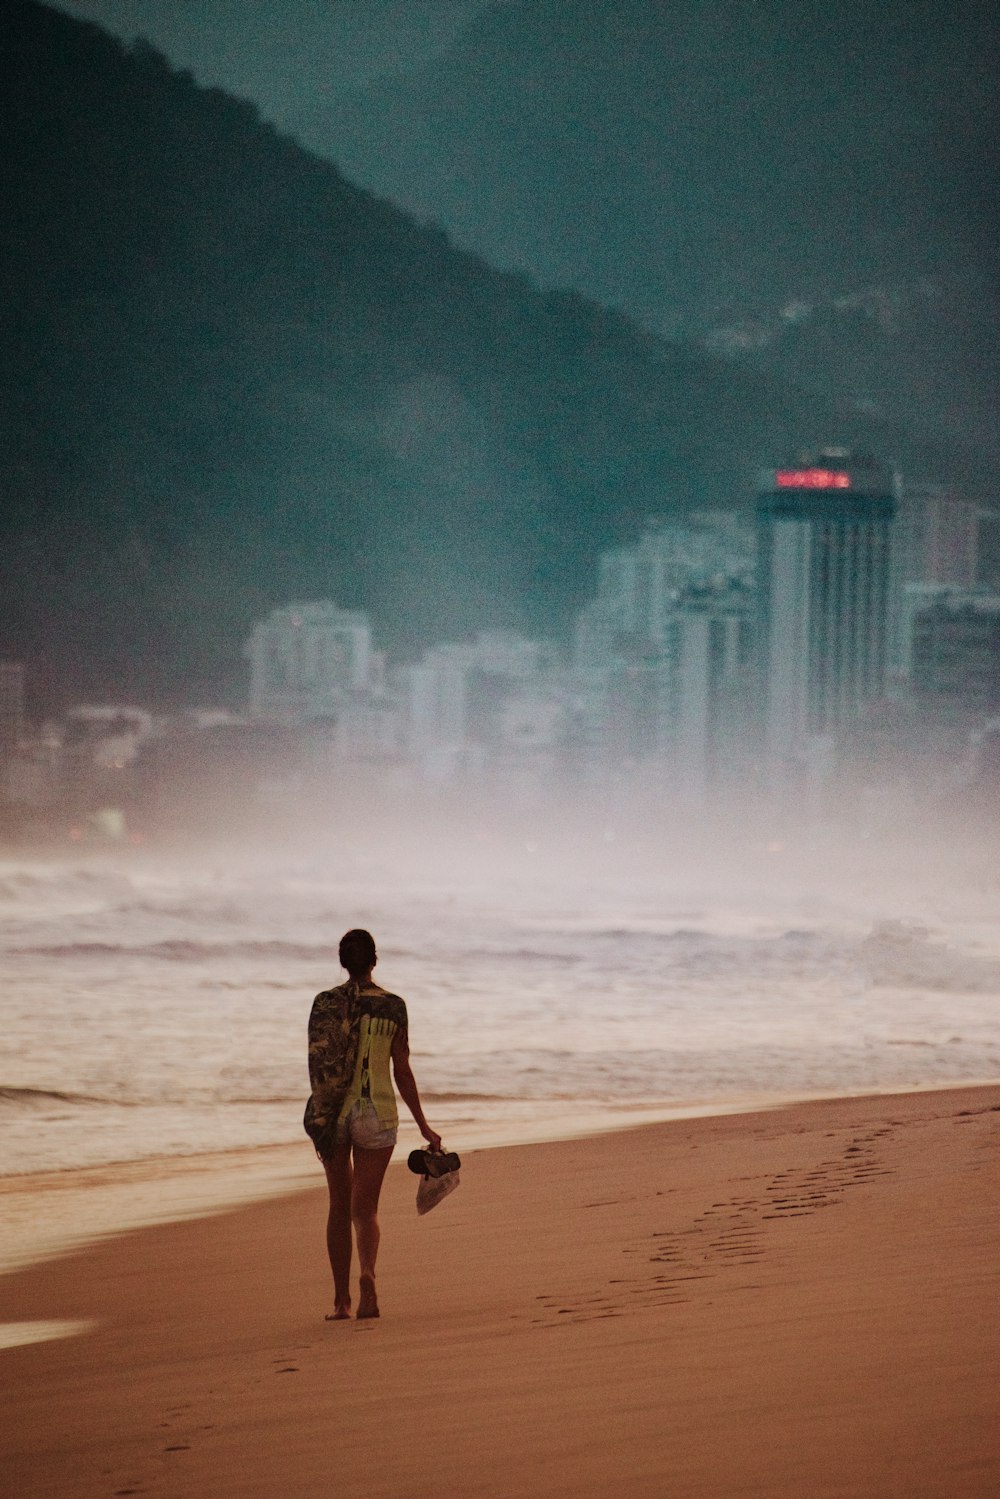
x=351 y=1034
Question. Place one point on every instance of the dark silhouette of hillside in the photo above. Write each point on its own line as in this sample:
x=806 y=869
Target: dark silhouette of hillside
x=707 y=165
x=231 y=378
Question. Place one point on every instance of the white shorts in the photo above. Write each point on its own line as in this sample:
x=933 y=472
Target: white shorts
x=363 y=1128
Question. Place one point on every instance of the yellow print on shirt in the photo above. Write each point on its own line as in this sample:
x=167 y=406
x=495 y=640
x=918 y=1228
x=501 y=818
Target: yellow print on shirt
x=372 y=1077
x=351 y=1031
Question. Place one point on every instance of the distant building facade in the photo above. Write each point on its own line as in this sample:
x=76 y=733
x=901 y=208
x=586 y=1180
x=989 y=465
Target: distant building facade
x=955 y=649
x=488 y=704
x=712 y=663
x=824 y=575
x=936 y=539
x=308 y=661
x=936 y=536
x=659 y=655
x=639 y=586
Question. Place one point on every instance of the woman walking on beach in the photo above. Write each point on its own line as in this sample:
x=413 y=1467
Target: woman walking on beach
x=355 y=1031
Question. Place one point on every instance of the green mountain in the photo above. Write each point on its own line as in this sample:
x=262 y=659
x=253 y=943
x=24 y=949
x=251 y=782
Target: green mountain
x=231 y=378
x=706 y=166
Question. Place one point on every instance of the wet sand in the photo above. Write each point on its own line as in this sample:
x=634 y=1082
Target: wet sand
x=796 y=1303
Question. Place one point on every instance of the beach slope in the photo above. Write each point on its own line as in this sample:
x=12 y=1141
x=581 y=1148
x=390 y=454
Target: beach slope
x=795 y=1303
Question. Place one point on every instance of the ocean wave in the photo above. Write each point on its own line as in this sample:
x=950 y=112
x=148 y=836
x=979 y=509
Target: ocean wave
x=507 y=954
x=14 y=1099
x=924 y=1045
x=889 y=956
x=892 y=954
x=637 y=931
x=227 y=913
x=28 y=884
x=41 y=1101
x=260 y=1100
x=45 y=1097
x=430 y=1096
x=899 y=956
x=242 y=985
x=185 y=950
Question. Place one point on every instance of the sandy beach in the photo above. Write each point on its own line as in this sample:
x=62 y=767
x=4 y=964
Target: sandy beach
x=802 y=1302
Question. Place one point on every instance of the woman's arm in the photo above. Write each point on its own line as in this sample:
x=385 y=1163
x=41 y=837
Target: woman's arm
x=407 y=1085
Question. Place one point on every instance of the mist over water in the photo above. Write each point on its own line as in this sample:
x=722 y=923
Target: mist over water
x=157 y=1003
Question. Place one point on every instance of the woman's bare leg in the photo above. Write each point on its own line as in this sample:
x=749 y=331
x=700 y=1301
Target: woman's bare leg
x=369 y=1169
x=339 y=1179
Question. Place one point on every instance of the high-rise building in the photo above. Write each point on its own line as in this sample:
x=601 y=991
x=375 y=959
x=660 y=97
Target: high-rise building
x=643 y=679
x=936 y=536
x=935 y=544
x=955 y=650
x=638 y=587
x=711 y=654
x=470 y=703
x=308 y=660
x=824 y=565
x=435 y=692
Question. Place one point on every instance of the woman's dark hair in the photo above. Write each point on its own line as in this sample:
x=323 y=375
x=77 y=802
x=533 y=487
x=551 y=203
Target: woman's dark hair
x=357 y=952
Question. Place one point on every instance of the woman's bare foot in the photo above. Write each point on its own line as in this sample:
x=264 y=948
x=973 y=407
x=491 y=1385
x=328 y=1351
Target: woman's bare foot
x=368 y=1301
x=341 y=1312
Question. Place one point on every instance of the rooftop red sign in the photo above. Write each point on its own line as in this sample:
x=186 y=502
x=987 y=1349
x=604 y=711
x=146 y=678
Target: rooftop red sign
x=811 y=478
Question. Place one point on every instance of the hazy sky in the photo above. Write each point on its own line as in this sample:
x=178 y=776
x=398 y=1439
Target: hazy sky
x=633 y=151
x=273 y=51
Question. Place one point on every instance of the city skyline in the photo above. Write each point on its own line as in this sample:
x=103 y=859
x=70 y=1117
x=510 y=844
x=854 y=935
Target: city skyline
x=236 y=377
x=500 y=532
x=843 y=642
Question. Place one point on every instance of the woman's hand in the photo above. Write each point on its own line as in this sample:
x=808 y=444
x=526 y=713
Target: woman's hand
x=406 y=1083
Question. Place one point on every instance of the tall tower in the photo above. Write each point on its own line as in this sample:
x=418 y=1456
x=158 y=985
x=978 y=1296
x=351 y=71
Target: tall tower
x=824 y=576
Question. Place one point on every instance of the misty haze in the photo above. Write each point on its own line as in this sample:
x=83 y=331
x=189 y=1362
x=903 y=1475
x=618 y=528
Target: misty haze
x=335 y=555
x=520 y=479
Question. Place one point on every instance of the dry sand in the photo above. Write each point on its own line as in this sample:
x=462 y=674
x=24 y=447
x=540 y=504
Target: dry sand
x=801 y=1303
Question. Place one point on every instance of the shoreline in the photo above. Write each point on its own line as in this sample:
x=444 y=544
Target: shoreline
x=87 y=1204
x=799 y=1300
